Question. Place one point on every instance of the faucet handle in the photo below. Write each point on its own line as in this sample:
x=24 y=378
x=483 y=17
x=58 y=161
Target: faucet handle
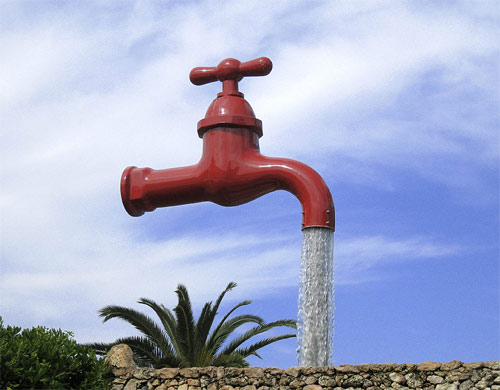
x=231 y=69
x=230 y=109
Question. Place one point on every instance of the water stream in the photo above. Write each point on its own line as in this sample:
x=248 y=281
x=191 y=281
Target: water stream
x=316 y=299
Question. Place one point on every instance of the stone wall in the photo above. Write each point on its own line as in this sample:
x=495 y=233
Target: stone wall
x=453 y=375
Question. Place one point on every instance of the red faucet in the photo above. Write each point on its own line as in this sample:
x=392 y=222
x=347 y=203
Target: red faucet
x=231 y=170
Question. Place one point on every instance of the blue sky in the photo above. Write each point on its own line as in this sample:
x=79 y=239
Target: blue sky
x=395 y=104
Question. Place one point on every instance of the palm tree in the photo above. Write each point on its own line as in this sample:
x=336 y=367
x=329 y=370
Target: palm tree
x=182 y=342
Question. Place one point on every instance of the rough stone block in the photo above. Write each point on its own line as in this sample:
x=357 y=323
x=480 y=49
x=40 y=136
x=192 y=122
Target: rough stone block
x=232 y=372
x=311 y=380
x=144 y=373
x=453 y=365
x=189 y=372
x=385 y=367
x=413 y=380
x=365 y=367
x=273 y=371
x=435 y=379
x=457 y=376
x=447 y=386
x=120 y=360
x=428 y=366
x=353 y=381
x=397 y=386
x=485 y=382
x=466 y=385
x=348 y=368
x=326 y=381
x=284 y=380
x=237 y=381
x=409 y=367
x=167 y=373
x=293 y=371
x=254 y=372
x=313 y=387
x=473 y=366
x=209 y=371
x=398 y=378
x=132 y=384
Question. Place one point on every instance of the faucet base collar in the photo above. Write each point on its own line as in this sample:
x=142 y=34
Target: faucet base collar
x=248 y=122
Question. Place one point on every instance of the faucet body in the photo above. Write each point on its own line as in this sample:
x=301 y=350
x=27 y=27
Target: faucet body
x=231 y=170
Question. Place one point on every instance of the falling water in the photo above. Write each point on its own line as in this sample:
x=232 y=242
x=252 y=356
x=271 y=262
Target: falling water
x=316 y=298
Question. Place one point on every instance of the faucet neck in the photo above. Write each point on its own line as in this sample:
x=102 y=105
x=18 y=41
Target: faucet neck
x=229 y=144
x=230 y=87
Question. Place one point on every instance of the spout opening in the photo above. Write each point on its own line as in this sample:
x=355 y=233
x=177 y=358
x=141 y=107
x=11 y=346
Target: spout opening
x=125 y=193
x=332 y=228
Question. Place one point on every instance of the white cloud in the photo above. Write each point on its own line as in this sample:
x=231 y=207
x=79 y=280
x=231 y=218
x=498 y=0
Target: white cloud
x=121 y=270
x=381 y=53
x=359 y=257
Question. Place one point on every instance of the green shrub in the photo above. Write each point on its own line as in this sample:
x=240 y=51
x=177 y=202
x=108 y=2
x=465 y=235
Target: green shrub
x=42 y=358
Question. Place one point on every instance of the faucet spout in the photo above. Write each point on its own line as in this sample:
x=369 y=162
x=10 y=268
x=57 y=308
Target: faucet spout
x=230 y=172
x=306 y=184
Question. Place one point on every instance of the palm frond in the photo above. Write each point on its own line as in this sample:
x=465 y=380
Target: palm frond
x=203 y=325
x=232 y=360
x=185 y=324
x=140 y=321
x=251 y=350
x=228 y=288
x=254 y=332
x=216 y=330
x=218 y=338
x=168 y=321
x=172 y=329
x=208 y=314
